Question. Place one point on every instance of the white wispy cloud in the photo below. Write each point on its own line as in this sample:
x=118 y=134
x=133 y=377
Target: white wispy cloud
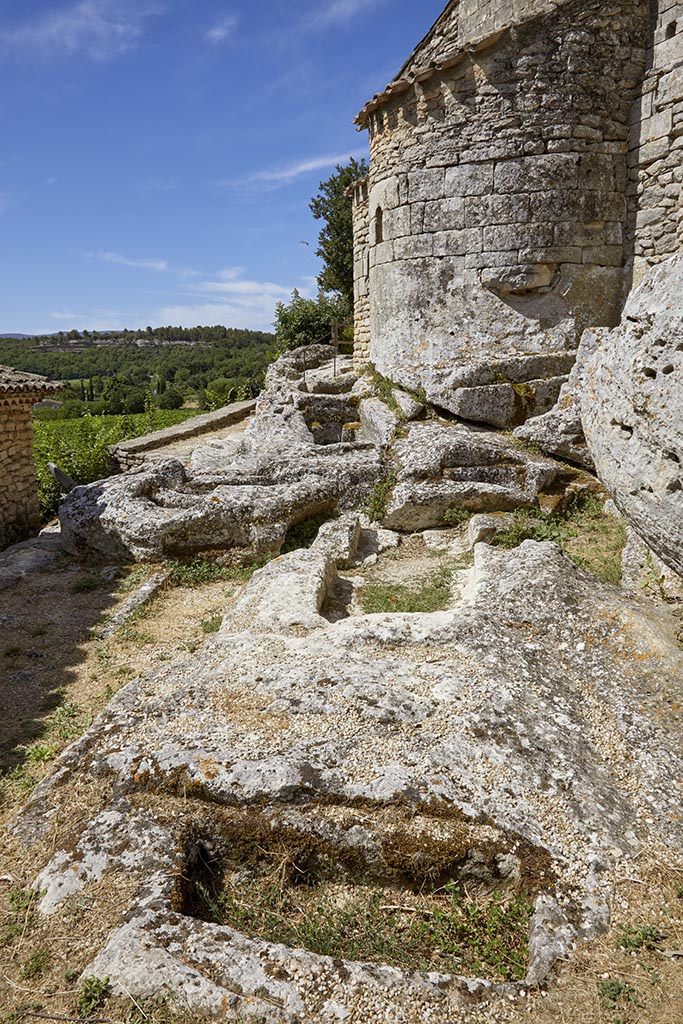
x=101 y=29
x=126 y=261
x=337 y=12
x=231 y=298
x=227 y=297
x=277 y=176
x=222 y=29
x=96 y=320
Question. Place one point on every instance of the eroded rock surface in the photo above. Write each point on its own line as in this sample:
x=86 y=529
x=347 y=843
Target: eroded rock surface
x=536 y=714
x=442 y=466
x=320 y=440
x=560 y=430
x=296 y=460
x=632 y=408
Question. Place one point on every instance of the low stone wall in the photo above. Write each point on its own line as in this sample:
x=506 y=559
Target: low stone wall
x=19 y=512
x=131 y=454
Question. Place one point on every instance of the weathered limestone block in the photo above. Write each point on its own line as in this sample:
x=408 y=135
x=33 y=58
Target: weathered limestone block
x=245 y=513
x=378 y=422
x=442 y=467
x=504 y=405
x=643 y=572
x=560 y=431
x=632 y=409
x=409 y=407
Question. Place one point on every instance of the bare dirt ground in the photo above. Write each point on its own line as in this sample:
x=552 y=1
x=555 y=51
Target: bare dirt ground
x=57 y=673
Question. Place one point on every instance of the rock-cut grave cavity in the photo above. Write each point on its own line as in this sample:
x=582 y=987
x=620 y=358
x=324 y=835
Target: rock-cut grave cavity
x=426 y=891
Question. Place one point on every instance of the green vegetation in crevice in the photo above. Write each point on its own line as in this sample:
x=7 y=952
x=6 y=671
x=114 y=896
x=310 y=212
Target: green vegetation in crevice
x=303 y=534
x=456 y=516
x=385 y=388
x=198 y=571
x=376 y=505
x=433 y=595
x=584 y=532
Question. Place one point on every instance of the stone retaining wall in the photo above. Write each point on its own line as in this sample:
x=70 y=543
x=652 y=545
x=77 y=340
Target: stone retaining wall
x=19 y=512
x=361 y=297
x=131 y=454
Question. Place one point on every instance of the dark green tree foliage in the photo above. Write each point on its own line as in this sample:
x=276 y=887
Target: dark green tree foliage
x=114 y=373
x=171 y=399
x=335 y=241
x=307 y=321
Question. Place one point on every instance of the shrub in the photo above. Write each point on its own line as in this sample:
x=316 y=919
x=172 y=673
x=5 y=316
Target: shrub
x=307 y=321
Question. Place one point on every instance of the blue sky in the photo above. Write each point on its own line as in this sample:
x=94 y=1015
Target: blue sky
x=158 y=156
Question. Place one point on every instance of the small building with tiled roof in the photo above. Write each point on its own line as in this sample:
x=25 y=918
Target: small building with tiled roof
x=19 y=512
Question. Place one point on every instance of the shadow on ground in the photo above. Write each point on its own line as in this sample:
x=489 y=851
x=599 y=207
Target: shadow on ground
x=46 y=617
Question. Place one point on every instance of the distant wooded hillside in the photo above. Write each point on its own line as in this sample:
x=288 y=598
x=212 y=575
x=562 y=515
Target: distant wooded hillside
x=115 y=372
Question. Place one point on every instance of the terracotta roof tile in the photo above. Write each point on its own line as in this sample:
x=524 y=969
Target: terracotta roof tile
x=17 y=382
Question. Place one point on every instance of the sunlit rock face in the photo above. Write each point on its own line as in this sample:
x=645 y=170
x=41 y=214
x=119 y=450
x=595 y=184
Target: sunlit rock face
x=633 y=411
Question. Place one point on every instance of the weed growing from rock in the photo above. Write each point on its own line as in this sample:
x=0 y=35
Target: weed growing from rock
x=376 y=505
x=584 y=533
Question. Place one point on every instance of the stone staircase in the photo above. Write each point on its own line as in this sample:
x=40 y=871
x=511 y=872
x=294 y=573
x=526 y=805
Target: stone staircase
x=506 y=392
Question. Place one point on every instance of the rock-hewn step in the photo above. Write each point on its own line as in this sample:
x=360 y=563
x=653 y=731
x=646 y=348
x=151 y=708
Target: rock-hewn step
x=513 y=369
x=506 y=405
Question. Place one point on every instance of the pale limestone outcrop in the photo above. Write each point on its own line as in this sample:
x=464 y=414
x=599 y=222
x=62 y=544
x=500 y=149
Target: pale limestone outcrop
x=538 y=732
x=560 y=430
x=443 y=466
x=298 y=458
x=632 y=409
x=318 y=444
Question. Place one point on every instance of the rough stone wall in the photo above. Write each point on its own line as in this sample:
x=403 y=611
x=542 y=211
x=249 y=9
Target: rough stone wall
x=19 y=515
x=500 y=186
x=440 y=41
x=480 y=18
x=361 y=296
x=656 y=155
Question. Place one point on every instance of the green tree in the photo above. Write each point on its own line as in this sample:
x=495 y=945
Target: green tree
x=171 y=399
x=335 y=241
x=307 y=321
